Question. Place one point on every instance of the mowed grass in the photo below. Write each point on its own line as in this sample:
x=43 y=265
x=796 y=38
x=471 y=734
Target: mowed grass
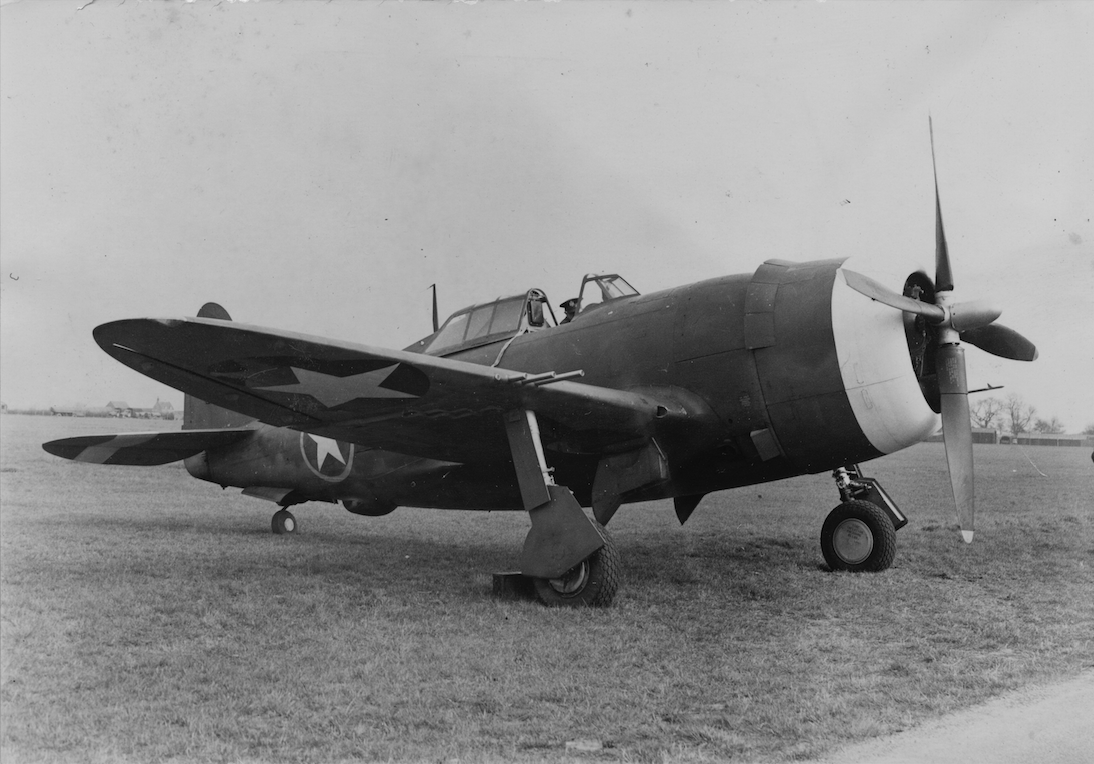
x=149 y=617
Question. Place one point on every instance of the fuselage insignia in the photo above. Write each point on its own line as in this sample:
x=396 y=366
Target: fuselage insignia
x=327 y=458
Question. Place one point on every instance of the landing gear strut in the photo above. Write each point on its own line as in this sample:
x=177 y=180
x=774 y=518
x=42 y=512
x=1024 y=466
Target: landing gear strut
x=570 y=559
x=860 y=533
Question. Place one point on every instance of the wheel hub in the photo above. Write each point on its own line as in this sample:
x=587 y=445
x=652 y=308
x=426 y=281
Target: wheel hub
x=572 y=581
x=853 y=541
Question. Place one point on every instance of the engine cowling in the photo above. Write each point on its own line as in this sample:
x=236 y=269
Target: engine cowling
x=834 y=367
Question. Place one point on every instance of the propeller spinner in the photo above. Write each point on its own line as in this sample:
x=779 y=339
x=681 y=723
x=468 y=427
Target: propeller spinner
x=952 y=322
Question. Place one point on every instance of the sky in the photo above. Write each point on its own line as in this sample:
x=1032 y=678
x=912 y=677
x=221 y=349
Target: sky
x=315 y=167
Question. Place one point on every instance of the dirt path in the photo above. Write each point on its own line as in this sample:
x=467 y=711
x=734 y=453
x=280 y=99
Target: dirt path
x=1047 y=724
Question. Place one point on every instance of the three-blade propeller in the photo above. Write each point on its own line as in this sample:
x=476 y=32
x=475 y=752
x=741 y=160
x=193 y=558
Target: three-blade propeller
x=952 y=322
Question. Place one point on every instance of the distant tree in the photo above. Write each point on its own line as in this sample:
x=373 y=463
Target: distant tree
x=1051 y=426
x=1017 y=414
x=985 y=412
x=1089 y=429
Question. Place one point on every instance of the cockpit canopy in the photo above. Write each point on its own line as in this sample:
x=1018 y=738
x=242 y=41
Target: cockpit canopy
x=597 y=289
x=492 y=321
x=505 y=317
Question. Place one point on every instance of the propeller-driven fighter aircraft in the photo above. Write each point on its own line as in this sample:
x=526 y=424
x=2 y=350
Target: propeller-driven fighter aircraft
x=796 y=368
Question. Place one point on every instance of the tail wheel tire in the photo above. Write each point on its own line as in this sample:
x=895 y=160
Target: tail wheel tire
x=858 y=536
x=591 y=583
x=283 y=522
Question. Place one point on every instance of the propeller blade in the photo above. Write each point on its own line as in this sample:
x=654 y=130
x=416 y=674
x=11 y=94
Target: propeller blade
x=878 y=291
x=943 y=278
x=957 y=433
x=1001 y=341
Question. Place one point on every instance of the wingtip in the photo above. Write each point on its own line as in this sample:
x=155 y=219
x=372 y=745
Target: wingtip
x=966 y=536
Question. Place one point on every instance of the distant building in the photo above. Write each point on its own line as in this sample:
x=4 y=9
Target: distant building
x=119 y=409
x=163 y=410
x=80 y=410
x=1046 y=439
x=979 y=435
x=989 y=436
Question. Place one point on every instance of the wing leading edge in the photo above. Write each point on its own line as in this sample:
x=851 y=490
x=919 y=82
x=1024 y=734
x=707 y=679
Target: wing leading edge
x=396 y=400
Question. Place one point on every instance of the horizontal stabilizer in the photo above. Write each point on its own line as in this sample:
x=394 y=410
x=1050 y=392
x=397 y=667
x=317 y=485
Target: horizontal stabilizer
x=142 y=449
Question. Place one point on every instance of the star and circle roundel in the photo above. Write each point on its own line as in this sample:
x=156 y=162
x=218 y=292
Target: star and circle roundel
x=327 y=458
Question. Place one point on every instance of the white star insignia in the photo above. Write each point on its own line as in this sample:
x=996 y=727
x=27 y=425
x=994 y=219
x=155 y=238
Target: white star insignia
x=325 y=447
x=333 y=391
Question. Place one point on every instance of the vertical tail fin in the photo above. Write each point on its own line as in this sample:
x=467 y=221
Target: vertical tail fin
x=199 y=415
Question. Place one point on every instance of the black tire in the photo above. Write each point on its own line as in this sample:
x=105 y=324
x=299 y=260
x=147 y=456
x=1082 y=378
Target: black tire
x=592 y=583
x=858 y=536
x=283 y=522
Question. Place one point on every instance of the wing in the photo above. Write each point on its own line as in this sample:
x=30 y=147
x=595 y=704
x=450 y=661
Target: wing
x=142 y=449
x=400 y=401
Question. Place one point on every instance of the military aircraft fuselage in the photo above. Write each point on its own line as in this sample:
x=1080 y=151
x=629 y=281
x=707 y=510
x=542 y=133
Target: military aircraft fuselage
x=767 y=375
x=796 y=368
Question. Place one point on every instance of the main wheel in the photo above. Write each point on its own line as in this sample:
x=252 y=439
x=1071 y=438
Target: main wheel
x=858 y=536
x=591 y=583
x=283 y=522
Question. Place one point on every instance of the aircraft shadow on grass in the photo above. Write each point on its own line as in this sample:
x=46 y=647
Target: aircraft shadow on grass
x=794 y=369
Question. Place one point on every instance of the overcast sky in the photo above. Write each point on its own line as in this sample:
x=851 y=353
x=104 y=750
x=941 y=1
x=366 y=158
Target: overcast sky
x=315 y=167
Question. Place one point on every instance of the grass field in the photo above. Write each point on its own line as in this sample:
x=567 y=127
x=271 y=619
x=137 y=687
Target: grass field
x=148 y=617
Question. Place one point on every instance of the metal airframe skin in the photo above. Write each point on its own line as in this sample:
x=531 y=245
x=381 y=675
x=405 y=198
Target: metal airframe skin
x=797 y=368
x=736 y=360
x=723 y=383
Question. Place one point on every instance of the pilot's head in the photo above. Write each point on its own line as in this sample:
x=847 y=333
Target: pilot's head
x=570 y=306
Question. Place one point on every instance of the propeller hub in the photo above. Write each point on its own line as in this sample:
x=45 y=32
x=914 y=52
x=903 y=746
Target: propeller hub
x=972 y=315
x=946 y=333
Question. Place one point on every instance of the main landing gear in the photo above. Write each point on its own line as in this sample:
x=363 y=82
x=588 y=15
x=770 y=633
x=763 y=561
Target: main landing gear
x=860 y=534
x=592 y=582
x=570 y=559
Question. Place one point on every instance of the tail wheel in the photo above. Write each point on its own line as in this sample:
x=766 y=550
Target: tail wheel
x=283 y=522
x=591 y=583
x=858 y=536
